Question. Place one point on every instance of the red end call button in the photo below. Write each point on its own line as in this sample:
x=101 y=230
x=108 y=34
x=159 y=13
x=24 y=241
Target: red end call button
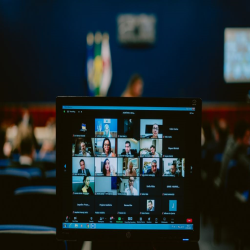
x=189 y=220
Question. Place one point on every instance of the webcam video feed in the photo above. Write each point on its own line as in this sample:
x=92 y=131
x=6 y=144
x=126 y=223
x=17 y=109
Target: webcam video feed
x=106 y=128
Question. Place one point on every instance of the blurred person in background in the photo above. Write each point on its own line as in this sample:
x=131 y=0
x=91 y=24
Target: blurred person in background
x=27 y=152
x=134 y=87
x=5 y=147
x=236 y=149
x=25 y=129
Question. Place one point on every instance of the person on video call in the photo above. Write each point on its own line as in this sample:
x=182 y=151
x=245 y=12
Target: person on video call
x=83 y=149
x=85 y=187
x=130 y=171
x=150 y=206
x=153 y=153
x=83 y=169
x=153 y=169
x=127 y=149
x=106 y=147
x=155 y=131
x=106 y=131
x=106 y=170
x=173 y=170
x=130 y=190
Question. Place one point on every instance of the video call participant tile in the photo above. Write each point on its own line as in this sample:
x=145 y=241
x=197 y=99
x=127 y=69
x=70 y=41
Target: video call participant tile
x=151 y=148
x=105 y=205
x=173 y=148
x=105 y=166
x=106 y=127
x=82 y=147
x=105 y=147
x=128 y=205
x=84 y=127
x=128 y=128
x=84 y=185
x=173 y=167
x=150 y=205
x=150 y=186
x=83 y=204
x=83 y=166
x=128 y=186
x=106 y=186
x=173 y=131
x=172 y=187
x=151 y=128
x=128 y=147
x=128 y=166
x=172 y=205
x=150 y=167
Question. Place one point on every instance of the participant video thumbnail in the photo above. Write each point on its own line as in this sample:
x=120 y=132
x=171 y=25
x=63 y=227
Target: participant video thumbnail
x=82 y=146
x=173 y=167
x=83 y=185
x=106 y=127
x=172 y=187
x=150 y=186
x=151 y=166
x=172 y=206
x=105 y=166
x=83 y=166
x=128 y=147
x=128 y=167
x=83 y=127
x=128 y=205
x=105 y=147
x=105 y=205
x=151 y=148
x=129 y=186
x=173 y=148
x=80 y=206
x=173 y=131
x=150 y=205
x=129 y=128
x=106 y=185
x=151 y=128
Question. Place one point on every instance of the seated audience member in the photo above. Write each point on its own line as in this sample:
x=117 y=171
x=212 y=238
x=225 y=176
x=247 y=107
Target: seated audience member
x=107 y=169
x=106 y=146
x=153 y=169
x=153 y=153
x=83 y=149
x=27 y=152
x=25 y=129
x=130 y=190
x=130 y=171
x=83 y=170
x=134 y=87
x=236 y=149
x=150 y=206
x=85 y=187
x=106 y=131
x=5 y=147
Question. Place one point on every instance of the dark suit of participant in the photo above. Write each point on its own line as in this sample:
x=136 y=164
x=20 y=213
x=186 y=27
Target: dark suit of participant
x=132 y=153
x=84 y=172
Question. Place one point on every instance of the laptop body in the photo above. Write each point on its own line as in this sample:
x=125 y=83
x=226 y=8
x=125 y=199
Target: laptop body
x=128 y=168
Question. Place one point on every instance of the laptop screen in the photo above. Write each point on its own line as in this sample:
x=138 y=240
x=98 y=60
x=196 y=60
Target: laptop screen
x=128 y=164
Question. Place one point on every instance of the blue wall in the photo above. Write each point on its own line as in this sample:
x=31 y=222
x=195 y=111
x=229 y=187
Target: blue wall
x=43 y=47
